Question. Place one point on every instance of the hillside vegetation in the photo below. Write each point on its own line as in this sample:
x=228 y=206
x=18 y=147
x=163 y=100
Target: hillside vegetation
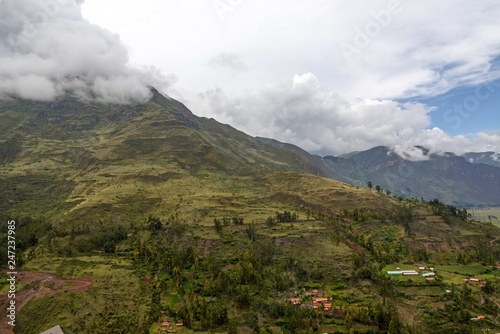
x=180 y=219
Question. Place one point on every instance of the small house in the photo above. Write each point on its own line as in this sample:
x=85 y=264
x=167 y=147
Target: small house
x=320 y=300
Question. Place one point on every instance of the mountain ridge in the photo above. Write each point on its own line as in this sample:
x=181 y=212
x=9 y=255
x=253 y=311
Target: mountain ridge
x=448 y=177
x=66 y=159
x=200 y=214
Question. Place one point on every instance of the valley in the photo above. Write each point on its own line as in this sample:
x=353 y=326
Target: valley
x=180 y=219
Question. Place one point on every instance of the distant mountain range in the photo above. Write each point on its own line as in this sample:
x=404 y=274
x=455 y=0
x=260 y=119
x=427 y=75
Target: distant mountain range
x=74 y=159
x=469 y=180
x=488 y=158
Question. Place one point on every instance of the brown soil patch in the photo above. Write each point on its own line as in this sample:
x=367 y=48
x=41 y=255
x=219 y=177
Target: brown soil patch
x=40 y=285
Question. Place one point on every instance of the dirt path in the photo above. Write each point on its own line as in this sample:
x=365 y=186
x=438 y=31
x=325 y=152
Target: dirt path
x=40 y=285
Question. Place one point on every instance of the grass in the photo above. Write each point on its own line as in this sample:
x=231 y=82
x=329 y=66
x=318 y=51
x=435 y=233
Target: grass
x=90 y=162
x=465 y=270
x=310 y=242
x=163 y=162
x=487 y=215
x=114 y=284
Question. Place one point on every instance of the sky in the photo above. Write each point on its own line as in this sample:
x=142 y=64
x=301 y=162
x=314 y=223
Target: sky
x=331 y=76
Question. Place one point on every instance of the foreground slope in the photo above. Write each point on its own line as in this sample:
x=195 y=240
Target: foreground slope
x=175 y=218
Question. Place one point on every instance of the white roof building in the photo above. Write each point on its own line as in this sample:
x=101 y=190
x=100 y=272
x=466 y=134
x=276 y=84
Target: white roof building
x=54 y=330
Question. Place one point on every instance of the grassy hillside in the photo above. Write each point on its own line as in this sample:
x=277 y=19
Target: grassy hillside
x=240 y=276
x=66 y=159
x=177 y=218
x=490 y=215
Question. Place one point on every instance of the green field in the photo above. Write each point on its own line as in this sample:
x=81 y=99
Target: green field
x=486 y=215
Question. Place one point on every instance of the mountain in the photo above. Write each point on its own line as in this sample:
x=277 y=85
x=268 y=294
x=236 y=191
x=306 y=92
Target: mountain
x=449 y=178
x=127 y=217
x=69 y=159
x=488 y=158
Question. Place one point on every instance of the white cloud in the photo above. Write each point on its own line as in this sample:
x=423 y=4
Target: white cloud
x=424 y=48
x=304 y=113
x=409 y=152
x=48 y=49
x=229 y=61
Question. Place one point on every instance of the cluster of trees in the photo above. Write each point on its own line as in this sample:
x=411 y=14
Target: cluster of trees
x=404 y=215
x=208 y=315
x=378 y=188
x=33 y=233
x=282 y=217
x=287 y=217
x=255 y=269
x=28 y=233
x=104 y=238
x=225 y=221
x=446 y=211
x=364 y=215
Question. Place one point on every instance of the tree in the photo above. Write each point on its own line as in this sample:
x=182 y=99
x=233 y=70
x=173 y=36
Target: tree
x=177 y=275
x=489 y=287
x=238 y=220
x=393 y=327
x=218 y=225
x=369 y=185
x=271 y=222
x=348 y=320
x=378 y=188
x=251 y=232
x=154 y=223
x=109 y=247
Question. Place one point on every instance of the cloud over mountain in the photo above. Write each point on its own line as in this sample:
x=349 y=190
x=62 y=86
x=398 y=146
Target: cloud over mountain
x=47 y=49
x=304 y=113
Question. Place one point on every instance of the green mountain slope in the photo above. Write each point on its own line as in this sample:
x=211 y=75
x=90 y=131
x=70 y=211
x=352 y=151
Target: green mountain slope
x=165 y=216
x=67 y=159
